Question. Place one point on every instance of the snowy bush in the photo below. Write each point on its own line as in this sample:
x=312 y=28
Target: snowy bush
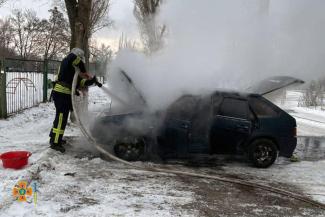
x=313 y=95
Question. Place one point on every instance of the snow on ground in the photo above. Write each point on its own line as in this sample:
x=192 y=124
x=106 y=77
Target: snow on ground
x=306 y=175
x=79 y=183
x=310 y=121
x=84 y=187
x=309 y=128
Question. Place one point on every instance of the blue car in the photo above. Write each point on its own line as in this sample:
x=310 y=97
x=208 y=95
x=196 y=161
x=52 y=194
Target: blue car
x=222 y=122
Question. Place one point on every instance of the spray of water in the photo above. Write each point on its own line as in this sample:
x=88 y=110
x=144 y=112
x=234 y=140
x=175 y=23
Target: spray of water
x=113 y=96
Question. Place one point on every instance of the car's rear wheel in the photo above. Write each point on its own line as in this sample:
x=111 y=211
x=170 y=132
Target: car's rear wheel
x=262 y=152
x=129 y=149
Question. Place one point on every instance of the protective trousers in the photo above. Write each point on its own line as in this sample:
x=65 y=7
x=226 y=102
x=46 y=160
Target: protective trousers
x=63 y=106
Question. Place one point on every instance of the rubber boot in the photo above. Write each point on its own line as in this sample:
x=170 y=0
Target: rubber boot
x=57 y=147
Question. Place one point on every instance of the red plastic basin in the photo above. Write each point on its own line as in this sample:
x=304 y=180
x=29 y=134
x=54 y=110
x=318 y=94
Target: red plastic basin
x=15 y=159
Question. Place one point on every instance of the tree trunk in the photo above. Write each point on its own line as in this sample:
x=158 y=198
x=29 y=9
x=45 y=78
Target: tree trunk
x=79 y=17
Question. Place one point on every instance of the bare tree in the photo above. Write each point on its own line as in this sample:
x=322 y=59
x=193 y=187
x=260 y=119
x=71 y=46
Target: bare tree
x=86 y=17
x=145 y=12
x=54 y=35
x=6 y=40
x=313 y=95
x=99 y=52
x=99 y=15
x=79 y=19
x=31 y=37
x=26 y=32
x=101 y=55
x=124 y=42
x=2 y=2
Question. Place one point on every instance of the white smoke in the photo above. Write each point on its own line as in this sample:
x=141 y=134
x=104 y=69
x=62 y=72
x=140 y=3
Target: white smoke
x=228 y=44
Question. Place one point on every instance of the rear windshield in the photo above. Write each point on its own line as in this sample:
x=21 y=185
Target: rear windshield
x=263 y=108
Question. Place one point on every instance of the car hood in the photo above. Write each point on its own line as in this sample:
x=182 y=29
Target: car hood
x=126 y=90
x=272 y=84
x=137 y=91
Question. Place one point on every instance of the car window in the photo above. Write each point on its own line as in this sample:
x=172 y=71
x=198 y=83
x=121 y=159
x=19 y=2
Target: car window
x=183 y=108
x=261 y=108
x=232 y=107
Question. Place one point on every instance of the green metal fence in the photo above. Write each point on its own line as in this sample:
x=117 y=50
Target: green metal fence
x=23 y=84
x=3 y=98
x=26 y=83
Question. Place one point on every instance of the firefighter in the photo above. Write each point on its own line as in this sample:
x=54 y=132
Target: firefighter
x=61 y=93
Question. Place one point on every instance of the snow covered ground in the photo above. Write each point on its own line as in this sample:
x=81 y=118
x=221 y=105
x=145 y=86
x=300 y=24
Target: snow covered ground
x=79 y=183
x=310 y=121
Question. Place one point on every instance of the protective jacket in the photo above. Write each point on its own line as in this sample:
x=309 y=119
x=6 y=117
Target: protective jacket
x=66 y=73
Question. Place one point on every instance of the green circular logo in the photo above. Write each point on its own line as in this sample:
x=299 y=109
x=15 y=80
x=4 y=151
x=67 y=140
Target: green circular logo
x=22 y=191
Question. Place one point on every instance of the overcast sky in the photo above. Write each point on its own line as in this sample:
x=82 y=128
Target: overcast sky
x=120 y=12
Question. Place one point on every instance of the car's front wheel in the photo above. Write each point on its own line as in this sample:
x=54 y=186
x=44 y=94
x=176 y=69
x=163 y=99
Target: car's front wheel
x=262 y=152
x=129 y=149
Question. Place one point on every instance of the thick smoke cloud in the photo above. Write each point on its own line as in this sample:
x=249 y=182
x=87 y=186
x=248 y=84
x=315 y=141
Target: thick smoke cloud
x=230 y=44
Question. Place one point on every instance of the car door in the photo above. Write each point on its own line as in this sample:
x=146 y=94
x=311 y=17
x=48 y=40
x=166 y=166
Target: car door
x=200 y=126
x=178 y=126
x=230 y=126
x=177 y=137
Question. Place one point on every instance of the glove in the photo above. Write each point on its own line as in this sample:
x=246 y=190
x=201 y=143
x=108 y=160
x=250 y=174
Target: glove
x=91 y=81
x=98 y=83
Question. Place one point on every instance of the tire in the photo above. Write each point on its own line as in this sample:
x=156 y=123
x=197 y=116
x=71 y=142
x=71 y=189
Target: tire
x=262 y=153
x=129 y=149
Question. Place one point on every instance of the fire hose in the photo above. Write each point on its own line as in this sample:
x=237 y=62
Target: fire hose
x=100 y=148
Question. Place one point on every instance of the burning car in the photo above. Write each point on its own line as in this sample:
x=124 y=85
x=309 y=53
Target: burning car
x=220 y=122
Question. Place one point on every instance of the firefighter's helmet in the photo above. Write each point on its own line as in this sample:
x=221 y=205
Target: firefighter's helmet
x=79 y=53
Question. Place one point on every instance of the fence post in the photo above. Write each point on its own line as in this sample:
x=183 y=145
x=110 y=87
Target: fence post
x=3 y=96
x=45 y=75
